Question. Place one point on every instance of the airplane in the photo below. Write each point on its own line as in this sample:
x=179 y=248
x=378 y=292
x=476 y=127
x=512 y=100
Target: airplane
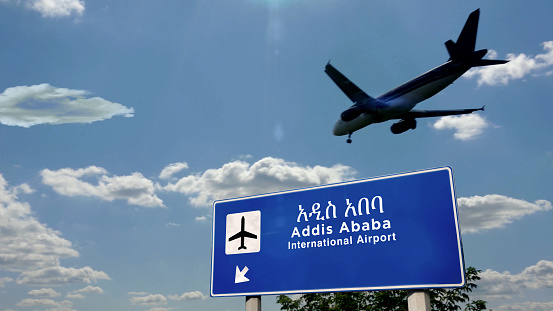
x=242 y=234
x=399 y=102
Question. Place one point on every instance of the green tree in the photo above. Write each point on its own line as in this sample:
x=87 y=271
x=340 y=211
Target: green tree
x=394 y=300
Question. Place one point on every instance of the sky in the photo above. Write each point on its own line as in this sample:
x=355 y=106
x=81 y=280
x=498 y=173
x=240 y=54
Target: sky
x=122 y=121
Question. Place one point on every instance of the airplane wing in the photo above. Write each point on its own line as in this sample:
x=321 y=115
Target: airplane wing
x=413 y=114
x=349 y=88
x=249 y=235
x=234 y=237
x=245 y=234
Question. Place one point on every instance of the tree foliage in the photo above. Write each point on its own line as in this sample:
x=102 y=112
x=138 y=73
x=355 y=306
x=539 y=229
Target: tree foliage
x=394 y=300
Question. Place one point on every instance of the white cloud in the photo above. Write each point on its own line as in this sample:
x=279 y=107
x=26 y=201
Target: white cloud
x=26 y=243
x=200 y=218
x=5 y=280
x=90 y=290
x=138 y=293
x=527 y=306
x=34 y=249
x=539 y=275
x=26 y=106
x=493 y=211
x=54 y=276
x=239 y=178
x=149 y=300
x=504 y=285
x=44 y=292
x=30 y=302
x=75 y=296
x=518 y=67
x=66 y=181
x=78 y=294
x=56 y=8
x=135 y=188
x=467 y=127
x=196 y=295
x=23 y=188
x=172 y=169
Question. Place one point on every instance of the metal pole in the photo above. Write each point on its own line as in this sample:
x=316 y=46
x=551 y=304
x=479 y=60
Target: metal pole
x=253 y=303
x=418 y=300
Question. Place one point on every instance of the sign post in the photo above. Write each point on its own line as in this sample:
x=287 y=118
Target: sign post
x=418 y=300
x=253 y=303
x=391 y=232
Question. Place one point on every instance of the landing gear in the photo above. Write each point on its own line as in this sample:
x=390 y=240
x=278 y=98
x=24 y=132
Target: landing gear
x=349 y=139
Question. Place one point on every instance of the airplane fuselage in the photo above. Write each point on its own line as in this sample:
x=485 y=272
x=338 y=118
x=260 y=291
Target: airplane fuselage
x=405 y=97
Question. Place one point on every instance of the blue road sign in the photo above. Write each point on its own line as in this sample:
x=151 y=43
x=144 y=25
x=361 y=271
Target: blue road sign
x=391 y=232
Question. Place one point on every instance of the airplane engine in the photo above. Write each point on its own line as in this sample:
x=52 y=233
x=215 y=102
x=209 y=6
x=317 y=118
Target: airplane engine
x=351 y=113
x=403 y=126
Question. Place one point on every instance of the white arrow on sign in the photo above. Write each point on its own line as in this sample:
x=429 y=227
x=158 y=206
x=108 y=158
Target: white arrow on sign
x=240 y=276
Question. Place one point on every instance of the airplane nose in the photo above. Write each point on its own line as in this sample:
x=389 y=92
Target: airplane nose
x=340 y=128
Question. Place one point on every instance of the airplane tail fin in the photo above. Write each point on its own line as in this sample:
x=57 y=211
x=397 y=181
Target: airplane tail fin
x=463 y=51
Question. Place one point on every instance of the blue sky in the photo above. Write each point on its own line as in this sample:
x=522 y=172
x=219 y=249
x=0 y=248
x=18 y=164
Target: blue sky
x=122 y=121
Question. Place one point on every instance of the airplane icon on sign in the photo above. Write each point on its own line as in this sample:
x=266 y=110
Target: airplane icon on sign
x=242 y=234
